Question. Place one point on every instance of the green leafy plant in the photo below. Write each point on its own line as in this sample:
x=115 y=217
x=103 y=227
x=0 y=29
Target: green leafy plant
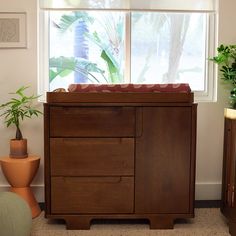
x=63 y=66
x=17 y=109
x=226 y=59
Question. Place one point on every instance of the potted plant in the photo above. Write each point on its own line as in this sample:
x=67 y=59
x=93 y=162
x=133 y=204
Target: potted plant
x=226 y=59
x=14 y=112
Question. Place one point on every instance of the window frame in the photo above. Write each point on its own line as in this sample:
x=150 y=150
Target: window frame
x=210 y=78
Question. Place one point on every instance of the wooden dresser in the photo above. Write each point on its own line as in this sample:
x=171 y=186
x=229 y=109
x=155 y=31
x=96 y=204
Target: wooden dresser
x=119 y=156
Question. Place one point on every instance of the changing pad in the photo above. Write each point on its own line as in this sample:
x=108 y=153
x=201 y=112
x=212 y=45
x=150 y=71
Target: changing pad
x=106 y=88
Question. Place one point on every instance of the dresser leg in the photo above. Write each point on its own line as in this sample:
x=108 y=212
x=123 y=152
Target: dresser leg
x=77 y=222
x=161 y=222
x=232 y=228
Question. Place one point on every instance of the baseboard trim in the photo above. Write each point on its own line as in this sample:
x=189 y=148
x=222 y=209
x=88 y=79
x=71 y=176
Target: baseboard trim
x=207 y=204
x=207 y=191
x=42 y=206
x=38 y=191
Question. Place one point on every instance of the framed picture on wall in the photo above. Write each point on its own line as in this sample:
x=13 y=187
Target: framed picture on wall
x=13 y=30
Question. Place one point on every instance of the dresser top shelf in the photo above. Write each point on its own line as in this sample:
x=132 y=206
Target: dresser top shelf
x=123 y=97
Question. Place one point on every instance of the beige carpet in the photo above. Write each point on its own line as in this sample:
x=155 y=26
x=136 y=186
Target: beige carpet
x=207 y=222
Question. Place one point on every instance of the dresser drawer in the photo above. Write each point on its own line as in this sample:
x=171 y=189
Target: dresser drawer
x=92 y=156
x=71 y=195
x=92 y=121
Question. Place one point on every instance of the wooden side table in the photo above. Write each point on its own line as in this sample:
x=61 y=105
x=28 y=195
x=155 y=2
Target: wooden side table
x=228 y=196
x=20 y=173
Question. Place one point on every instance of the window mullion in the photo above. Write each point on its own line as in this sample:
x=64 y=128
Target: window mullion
x=43 y=54
x=127 y=66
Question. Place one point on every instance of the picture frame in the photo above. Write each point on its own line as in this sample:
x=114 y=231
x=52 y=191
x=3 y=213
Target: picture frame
x=13 y=30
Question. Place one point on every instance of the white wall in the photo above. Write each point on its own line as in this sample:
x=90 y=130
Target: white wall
x=19 y=67
x=211 y=119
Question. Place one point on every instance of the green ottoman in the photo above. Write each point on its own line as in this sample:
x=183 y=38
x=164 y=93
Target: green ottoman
x=15 y=215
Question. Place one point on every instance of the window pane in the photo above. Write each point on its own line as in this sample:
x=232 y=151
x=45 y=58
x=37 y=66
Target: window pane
x=86 y=47
x=168 y=48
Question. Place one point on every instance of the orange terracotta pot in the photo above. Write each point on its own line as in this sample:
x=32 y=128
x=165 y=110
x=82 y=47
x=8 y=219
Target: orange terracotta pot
x=18 y=148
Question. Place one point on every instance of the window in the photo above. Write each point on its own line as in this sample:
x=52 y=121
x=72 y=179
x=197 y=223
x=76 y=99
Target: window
x=103 y=45
x=86 y=47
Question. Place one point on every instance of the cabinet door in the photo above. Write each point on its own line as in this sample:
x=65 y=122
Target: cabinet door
x=164 y=174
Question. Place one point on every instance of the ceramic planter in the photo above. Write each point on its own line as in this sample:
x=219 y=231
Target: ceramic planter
x=18 y=148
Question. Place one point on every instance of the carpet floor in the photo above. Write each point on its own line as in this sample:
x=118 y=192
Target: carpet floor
x=207 y=222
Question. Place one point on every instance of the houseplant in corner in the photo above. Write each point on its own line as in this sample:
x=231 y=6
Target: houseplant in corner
x=14 y=112
x=226 y=59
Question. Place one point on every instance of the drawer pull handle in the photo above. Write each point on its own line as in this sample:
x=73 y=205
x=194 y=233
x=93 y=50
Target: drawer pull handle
x=228 y=195
x=232 y=197
x=93 y=180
